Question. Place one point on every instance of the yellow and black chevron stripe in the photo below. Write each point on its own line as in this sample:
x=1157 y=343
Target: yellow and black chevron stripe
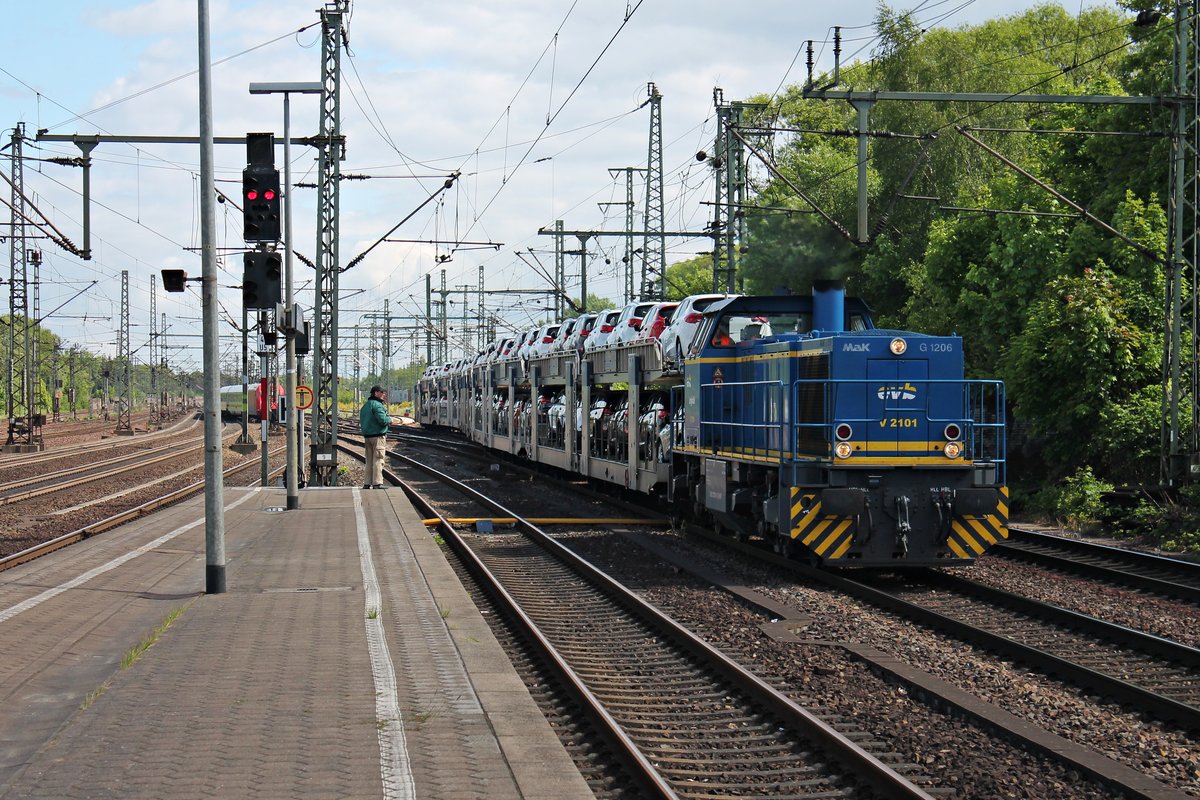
x=970 y=536
x=826 y=535
x=831 y=537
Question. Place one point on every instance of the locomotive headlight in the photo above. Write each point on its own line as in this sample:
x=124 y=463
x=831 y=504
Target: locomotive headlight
x=898 y=347
x=953 y=449
x=842 y=450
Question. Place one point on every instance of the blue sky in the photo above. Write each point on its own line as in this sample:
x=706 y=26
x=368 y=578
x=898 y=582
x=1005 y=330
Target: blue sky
x=430 y=87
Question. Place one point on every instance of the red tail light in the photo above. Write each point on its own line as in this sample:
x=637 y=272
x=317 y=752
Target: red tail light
x=693 y=318
x=606 y=328
x=634 y=321
x=547 y=339
x=584 y=333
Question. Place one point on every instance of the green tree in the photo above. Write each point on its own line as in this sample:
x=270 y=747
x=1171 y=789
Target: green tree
x=686 y=278
x=1077 y=364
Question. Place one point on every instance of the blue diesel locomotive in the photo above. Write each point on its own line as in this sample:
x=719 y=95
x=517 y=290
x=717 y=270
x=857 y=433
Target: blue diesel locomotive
x=789 y=418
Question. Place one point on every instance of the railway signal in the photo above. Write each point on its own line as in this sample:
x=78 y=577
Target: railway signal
x=261 y=201
x=261 y=273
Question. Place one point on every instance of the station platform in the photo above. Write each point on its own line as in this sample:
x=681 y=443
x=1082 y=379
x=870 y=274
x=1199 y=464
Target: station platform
x=344 y=661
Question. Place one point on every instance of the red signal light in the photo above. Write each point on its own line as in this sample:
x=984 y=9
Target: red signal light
x=268 y=194
x=252 y=194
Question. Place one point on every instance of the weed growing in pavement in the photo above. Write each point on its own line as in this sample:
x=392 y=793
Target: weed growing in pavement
x=373 y=613
x=133 y=655
x=445 y=612
x=146 y=643
x=94 y=695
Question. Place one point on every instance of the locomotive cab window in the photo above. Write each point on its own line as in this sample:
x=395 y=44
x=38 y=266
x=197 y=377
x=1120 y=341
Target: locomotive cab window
x=749 y=326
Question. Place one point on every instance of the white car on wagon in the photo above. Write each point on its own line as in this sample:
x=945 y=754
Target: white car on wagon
x=677 y=337
x=630 y=321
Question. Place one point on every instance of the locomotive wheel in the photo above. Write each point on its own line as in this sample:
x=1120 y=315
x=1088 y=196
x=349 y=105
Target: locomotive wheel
x=787 y=545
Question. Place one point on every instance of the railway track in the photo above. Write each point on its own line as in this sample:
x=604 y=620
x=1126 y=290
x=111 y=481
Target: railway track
x=27 y=461
x=1169 y=577
x=691 y=722
x=131 y=512
x=1121 y=777
x=1152 y=675
x=17 y=491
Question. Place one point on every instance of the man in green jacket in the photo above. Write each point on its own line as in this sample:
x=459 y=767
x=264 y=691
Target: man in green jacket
x=373 y=422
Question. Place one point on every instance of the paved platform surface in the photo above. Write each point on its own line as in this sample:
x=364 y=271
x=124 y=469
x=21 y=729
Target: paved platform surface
x=344 y=661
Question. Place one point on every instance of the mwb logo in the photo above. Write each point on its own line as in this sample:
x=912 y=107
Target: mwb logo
x=905 y=392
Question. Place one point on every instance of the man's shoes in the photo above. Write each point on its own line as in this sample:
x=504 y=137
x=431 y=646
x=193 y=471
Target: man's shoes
x=367 y=486
x=380 y=486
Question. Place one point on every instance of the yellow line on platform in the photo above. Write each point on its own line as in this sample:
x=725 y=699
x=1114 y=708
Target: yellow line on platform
x=549 y=521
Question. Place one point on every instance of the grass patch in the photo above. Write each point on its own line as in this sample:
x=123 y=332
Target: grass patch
x=94 y=695
x=148 y=641
x=130 y=658
x=444 y=611
x=373 y=613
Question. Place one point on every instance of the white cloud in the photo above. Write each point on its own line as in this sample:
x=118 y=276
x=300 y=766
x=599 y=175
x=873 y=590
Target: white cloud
x=438 y=75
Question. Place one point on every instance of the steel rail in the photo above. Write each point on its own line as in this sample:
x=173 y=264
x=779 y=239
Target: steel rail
x=1171 y=577
x=140 y=463
x=1139 y=697
x=859 y=763
x=108 y=523
x=1125 y=779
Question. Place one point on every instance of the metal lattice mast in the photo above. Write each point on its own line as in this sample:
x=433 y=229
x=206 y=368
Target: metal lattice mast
x=323 y=464
x=357 y=359
x=479 y=342
x=428 y=320
x=386 y=353
x=1179 y=462
x=155 y=416
x=654 y=249
x=374 y=345
x=34 y=260
x=720 y=224
x=162 y=357
x=560 y=270
x=443 y=342
x=464 y=336
x=20 y=388
x=735 y=194
x=55 y=385
x=629 y=288
x=124 y=376
x=71 y=380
